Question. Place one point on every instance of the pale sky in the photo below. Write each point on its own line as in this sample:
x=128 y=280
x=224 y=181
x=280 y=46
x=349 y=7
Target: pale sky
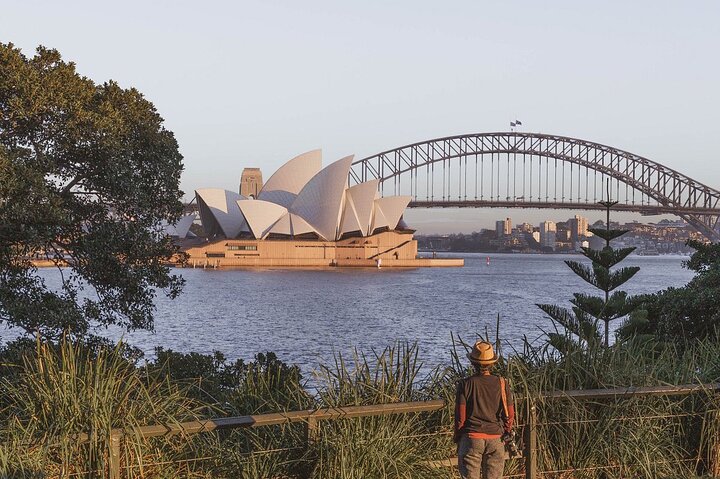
x=252 y=84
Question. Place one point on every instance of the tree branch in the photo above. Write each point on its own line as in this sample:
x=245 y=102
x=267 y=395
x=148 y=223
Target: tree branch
x=72 y=184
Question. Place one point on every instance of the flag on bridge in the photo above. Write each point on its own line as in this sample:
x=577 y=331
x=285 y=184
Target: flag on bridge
x=512 y=124
x=518 y=122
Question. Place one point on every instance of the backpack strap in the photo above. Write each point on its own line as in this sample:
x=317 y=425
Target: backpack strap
x=503 y=395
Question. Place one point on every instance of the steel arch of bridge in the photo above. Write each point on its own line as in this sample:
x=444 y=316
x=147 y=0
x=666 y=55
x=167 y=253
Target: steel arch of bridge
x=650 y=188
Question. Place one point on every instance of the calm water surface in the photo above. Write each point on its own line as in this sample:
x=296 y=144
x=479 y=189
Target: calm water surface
x=306 y=315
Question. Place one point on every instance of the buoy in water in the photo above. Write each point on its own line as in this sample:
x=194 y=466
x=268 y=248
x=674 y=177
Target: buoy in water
x=487 y=261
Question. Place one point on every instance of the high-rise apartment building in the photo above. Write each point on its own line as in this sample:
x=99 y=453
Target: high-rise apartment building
x=578 y=227
x=503 y=227
x=548 y=234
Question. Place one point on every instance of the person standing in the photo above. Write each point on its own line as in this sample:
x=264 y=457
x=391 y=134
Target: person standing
x=484 y=412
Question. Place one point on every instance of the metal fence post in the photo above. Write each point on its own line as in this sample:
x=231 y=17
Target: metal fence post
x=531 y=442
x=114 y=455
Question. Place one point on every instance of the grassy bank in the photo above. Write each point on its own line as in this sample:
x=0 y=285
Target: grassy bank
x=52 y=394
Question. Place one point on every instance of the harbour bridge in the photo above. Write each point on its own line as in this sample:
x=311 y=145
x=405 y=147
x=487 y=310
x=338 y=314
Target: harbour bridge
x=533 y=170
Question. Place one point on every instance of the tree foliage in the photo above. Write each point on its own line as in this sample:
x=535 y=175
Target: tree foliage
x=87 y=174
x=580 y=323
x=690 y=312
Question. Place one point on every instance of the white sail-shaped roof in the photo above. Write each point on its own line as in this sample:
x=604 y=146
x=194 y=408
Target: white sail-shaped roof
x=261 y=215
x=300 y=226
x=219 y=212
x=391 y=209
x=181 y=228
x=349 y=222
x=284 y=185
x=362 y=198
x=291 y=225
x=320 y=201
x=282 y=226
x=379 y=220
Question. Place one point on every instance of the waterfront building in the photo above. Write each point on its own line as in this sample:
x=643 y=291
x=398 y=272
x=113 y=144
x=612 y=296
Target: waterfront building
x=304 y=215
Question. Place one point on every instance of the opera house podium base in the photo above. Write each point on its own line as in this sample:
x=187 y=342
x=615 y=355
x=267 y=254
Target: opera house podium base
x=388 y=249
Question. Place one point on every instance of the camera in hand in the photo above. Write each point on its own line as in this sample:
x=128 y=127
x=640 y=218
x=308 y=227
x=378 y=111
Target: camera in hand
x=511 y=447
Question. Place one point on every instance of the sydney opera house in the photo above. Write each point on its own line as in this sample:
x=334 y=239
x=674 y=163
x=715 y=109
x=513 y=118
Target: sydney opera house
x=304 y=215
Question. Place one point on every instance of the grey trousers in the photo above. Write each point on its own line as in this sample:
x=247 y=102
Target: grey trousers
x=481 y=458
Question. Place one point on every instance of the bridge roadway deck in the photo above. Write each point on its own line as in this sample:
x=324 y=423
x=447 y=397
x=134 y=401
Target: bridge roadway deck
x=648 y=210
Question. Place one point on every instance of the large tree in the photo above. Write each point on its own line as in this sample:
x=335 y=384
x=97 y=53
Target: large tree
x=88 y=173
x=581 y=323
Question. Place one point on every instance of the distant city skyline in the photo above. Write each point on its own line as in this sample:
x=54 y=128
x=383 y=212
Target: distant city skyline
x=569 y=236
x=249 y=84
x=468 y=220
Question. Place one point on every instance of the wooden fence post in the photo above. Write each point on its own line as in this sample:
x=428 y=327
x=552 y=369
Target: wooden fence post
x=313 y=430
x=714 y=452
x=114 y=455
x=531 y=442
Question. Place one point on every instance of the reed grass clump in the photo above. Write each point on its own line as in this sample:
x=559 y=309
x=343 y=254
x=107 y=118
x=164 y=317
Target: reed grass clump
x=398 y=446
x=634 y=437
x=262 y=386
x=61 y=392
x=19 y=460
x=67 y=399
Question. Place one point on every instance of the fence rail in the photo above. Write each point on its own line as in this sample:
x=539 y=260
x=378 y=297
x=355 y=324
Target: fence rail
x=312 y=417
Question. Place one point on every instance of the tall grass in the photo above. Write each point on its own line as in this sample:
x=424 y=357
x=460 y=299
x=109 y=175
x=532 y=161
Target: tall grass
x=266 y=385
x=68 y=390
x=635 y=437
x=386 y=446
x=61 y=392
x=381 y=446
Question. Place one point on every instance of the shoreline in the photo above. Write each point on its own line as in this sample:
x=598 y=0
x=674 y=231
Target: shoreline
x=540 y=253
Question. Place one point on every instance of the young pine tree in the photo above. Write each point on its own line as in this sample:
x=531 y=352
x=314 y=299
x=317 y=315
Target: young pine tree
x=589 y=310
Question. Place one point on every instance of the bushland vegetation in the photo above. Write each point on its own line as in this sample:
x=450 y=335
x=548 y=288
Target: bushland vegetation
x=689 y=312
x=61 y=390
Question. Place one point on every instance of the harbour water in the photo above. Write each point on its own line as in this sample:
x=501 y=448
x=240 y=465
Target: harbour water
x=304 y=316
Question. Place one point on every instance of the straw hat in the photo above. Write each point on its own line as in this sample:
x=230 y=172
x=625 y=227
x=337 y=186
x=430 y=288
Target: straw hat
x=482 y=353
